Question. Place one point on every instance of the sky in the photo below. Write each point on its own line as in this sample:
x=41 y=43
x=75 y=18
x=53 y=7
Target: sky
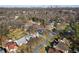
x=36 y=3
x=26 y=2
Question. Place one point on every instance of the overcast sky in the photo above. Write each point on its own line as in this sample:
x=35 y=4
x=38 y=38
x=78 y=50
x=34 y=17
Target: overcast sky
x=38 y=2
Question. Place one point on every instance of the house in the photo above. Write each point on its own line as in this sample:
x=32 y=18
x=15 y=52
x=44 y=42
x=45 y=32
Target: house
x=35 y=26
x=11 y=47
x=61 y=26
x=50 y=26
x=40 y=31
x=51 y=21
x=22 y=40
x=63 y=45
x=16 y=17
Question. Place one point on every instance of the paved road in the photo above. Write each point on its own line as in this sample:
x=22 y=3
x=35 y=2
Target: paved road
x=36 y=50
